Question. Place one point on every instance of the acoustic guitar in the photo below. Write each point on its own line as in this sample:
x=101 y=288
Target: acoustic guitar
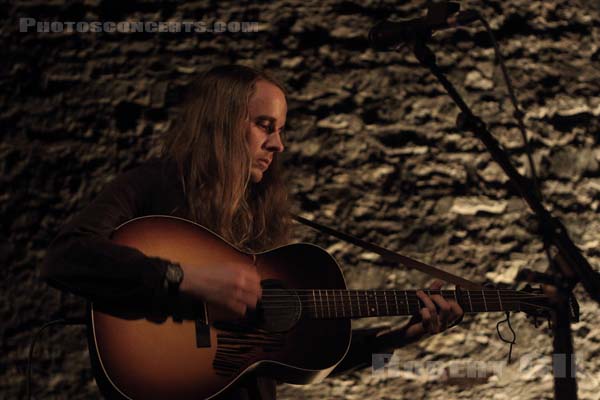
x=299 y=332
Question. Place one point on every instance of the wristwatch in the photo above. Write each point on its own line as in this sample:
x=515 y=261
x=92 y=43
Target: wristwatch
x=173 y=278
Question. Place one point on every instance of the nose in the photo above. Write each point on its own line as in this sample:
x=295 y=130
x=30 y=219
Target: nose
x=274 y=143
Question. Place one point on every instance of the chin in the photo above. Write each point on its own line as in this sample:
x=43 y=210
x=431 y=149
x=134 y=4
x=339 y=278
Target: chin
x=256 y=176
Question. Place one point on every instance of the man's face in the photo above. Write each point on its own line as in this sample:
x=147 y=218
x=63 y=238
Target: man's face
x=267 y=109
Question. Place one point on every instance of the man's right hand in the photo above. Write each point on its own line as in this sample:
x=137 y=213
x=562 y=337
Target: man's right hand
x=234 y=286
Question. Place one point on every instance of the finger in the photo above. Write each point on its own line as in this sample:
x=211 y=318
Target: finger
x=457 y=311
x=445 y=310
x=244 y=292
x=437 y=284
x=237 y=307
x=250 y=297
x=431 y=308
x=426 y=319
x=442 y=304
x=254 y=280
x=258 y=288
x=250 y=281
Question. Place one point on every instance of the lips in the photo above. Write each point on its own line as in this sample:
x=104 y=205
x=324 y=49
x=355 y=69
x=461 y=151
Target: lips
x=264 y=162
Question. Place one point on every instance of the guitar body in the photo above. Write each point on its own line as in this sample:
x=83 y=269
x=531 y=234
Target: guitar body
x=139 y=357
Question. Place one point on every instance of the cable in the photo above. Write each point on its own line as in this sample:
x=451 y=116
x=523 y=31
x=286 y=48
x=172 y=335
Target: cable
x=62 y=321
x=514 y=335
x=517 y=114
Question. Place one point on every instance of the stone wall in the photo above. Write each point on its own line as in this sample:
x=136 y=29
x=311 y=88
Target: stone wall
x=371 y=144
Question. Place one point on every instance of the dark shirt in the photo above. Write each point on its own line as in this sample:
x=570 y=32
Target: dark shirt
x=83 y=260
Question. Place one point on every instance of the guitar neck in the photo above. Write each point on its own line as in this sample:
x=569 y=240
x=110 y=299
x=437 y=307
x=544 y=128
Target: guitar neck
x=330 y=303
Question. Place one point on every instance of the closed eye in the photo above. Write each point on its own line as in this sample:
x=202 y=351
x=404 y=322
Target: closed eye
x=266 y=127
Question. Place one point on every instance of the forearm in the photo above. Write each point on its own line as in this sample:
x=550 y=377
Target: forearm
x=388 y=340
x=83 y=259
x=420 y=325
x=102 y=271
x=369 y=341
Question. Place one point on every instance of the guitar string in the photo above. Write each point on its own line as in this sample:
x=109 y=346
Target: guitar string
x=341 y=311
x=345 y=312
x=480 y=299
x=371 y=306
x=382 y=292
x=399 y=290
x=386 y=291
x=392 y=298
x=390 y=301
x=351 y=313
x=323 y=305
x=401 y=295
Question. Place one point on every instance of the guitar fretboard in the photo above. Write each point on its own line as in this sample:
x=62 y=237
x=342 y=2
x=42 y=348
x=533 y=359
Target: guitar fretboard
x=332 y=303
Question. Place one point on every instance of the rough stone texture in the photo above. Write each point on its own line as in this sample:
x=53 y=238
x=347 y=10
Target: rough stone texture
x=372 y=147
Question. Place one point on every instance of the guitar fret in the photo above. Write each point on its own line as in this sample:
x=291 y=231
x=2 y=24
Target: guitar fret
x=368 y=297
x=334 y=305
x=387 y=310
x=500 y=300
x=322 y=308
x=469 y=296
x=484 y=302
x=349 y=304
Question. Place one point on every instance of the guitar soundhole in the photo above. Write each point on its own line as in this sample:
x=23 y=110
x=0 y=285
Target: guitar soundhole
x=279 y=309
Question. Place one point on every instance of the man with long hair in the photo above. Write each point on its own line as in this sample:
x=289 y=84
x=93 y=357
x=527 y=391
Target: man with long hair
x=220 y=168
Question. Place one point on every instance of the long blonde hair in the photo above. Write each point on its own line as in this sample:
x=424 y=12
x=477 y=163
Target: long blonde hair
x=210 y=149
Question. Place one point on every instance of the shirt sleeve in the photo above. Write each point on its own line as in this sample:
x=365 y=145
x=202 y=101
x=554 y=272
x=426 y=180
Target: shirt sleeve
x=83 y=260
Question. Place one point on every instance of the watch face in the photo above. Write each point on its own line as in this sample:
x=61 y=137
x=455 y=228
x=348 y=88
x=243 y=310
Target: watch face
x=174 y=274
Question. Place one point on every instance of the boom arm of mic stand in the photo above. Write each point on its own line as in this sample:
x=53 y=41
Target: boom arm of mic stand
x=555 y=230
x=565 y=384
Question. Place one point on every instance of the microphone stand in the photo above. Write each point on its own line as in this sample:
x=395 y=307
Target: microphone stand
x=569 y=267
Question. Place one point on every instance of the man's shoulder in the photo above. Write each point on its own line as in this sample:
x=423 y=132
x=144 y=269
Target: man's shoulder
x=153 y=182
x=153 y=174
x=156 y=162
x=157 y=166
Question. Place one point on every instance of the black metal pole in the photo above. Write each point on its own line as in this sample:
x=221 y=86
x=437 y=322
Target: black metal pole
x=565 y=384
x=556 y=232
